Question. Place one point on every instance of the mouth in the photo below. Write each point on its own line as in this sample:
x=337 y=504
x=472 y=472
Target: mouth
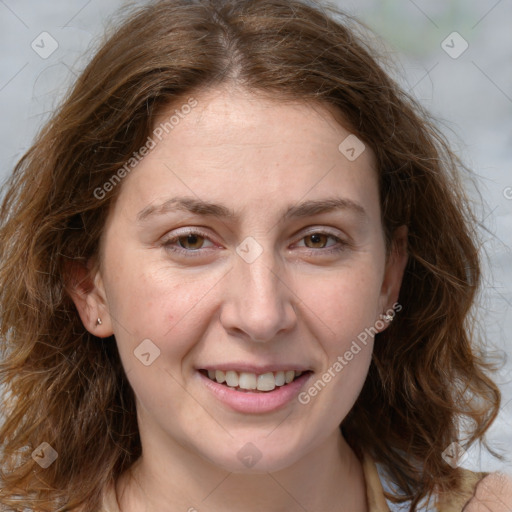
x=247 y=382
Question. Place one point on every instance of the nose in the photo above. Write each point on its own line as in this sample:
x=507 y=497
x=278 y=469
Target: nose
x=257 y=302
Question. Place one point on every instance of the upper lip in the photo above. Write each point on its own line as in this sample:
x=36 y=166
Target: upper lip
x=257 y=369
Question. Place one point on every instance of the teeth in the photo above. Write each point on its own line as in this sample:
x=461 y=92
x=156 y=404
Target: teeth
x=251 y=381
x=280 y=379
x=247 y=380
x=266 y=382
x=232 y=379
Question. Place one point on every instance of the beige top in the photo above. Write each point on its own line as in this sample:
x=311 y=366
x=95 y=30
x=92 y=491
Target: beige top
x=450 y=503
x=375 y=493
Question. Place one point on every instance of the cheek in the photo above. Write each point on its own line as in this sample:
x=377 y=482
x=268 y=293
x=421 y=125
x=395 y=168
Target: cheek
x=161 y=304
x=345 y=301
x=171 y=314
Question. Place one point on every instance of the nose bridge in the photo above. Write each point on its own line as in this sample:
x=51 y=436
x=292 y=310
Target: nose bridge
x=257 y=264
x=260 y=278
x=259 y=302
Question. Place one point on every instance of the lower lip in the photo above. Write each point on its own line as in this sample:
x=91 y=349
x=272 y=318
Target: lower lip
x=259 y=402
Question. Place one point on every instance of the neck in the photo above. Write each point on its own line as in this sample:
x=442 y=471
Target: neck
x=330 y=479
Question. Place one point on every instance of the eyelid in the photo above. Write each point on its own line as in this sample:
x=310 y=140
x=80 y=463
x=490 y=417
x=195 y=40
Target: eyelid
x=325 y=230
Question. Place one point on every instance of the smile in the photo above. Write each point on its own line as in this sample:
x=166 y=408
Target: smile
x=255 y=393
x=246 y=381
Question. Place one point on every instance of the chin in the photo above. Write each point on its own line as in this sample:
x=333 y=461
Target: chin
x=255 y=458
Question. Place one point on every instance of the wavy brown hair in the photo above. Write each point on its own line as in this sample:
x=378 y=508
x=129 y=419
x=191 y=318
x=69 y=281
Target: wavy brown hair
x=64 y=386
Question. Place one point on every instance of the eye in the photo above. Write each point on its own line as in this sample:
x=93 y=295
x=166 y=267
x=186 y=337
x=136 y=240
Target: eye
x=193 y=243
x=315 y=244
x=187 y=242
x=318 y=240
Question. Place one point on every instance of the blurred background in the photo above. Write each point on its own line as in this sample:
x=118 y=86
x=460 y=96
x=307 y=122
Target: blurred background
x=454 y=56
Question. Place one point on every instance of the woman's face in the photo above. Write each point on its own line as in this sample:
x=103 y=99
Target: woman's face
x=247 y=240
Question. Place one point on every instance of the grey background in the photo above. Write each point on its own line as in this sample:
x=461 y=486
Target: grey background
x=471 y=95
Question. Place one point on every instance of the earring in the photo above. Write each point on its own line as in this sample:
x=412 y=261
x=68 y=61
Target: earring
x=387 y=318
x=98 y=322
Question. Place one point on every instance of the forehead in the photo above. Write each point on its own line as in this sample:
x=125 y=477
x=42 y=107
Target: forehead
x=243 y=119
x=243 y=148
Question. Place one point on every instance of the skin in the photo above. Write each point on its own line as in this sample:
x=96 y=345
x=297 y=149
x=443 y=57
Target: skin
x=295 y=303
x=493 y=493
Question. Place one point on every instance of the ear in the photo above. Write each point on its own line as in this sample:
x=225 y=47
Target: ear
x=394 y=272
x=85 y=287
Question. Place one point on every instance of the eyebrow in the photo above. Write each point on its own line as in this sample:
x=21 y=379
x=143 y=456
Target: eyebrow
x=205 y=208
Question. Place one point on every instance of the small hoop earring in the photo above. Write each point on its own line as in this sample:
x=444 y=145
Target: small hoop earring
x=387 y=318
x=98 y=322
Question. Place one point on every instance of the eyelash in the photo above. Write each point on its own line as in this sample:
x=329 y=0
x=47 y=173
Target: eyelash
x=168 y=244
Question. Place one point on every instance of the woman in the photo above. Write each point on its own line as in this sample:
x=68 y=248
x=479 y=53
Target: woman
x=238 y=271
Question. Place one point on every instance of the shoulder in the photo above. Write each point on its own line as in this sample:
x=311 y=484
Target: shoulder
x=478 y=492
x=493 y=493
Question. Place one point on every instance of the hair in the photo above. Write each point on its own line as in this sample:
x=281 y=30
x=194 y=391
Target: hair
x=64 y=386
